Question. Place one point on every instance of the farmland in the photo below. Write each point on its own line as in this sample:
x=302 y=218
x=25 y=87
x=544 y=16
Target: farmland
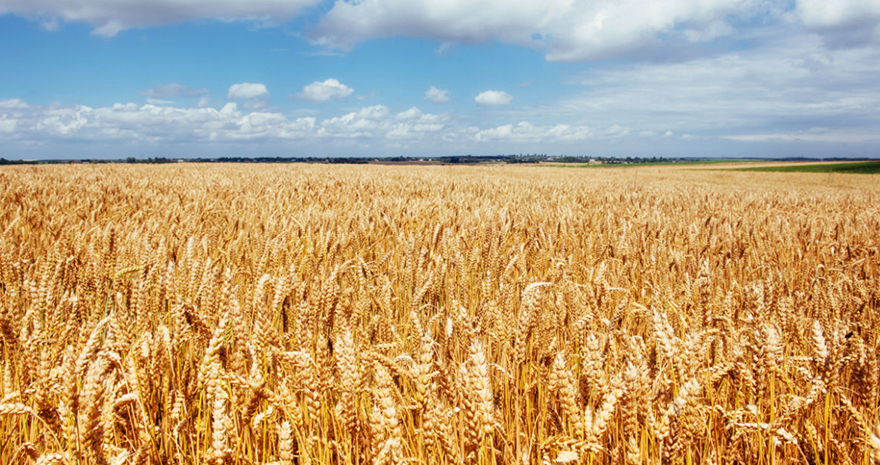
x=864 y=167
x=254 y=314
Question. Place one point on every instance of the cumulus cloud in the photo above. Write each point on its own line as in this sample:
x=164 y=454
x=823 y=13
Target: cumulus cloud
x=838 y=13
x=10 y=111
x=13 y=104
x=320 y=92
x=411 y=114
x=165 y=91
x=7 y=124
x=564 y=30
x=842 y=23
x=808 y=136
x=708 y=33
x=374 y=121
x=792 y=83
x=436 y=95
x=130 y=122
x=108 y=18
x=366 y=122
x=246 y=90
x=493 y=98
x=567 y=30
x=526 y=132
x=416 y=124
x=150 y=123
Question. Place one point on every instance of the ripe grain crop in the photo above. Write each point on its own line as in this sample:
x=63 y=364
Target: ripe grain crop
x=256 y=314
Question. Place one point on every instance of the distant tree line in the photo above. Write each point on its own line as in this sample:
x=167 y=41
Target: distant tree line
x=4 y=161
x=448 y=160
x=151 y=160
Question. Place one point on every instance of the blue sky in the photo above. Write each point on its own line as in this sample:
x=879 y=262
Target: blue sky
x=178 y=78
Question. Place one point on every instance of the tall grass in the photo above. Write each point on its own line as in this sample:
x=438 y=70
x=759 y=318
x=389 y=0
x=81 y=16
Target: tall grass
x=359 y=315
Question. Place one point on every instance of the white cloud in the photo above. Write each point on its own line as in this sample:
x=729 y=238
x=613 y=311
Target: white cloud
x=7 y=124
x=791 y=83
x=564 y=30
x=412 y=113
x=841 y=23
x=366 y=122
x=830 y=136
x=527 y=132
x=108 y=18
x=13 y=104
x=399 y=131
x=151 y=123
x=204 y=102
x=164 y=91
x=710 y=32
x=246 y=90
x=156 y=101
x=436 y=95
x=163 y=125
x=837 y=13
x=374 y=112
x=324 y=91
x=493 y=98
x=416 y=124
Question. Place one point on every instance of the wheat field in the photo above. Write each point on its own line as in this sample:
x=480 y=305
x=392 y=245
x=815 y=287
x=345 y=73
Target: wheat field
x=322 y=314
